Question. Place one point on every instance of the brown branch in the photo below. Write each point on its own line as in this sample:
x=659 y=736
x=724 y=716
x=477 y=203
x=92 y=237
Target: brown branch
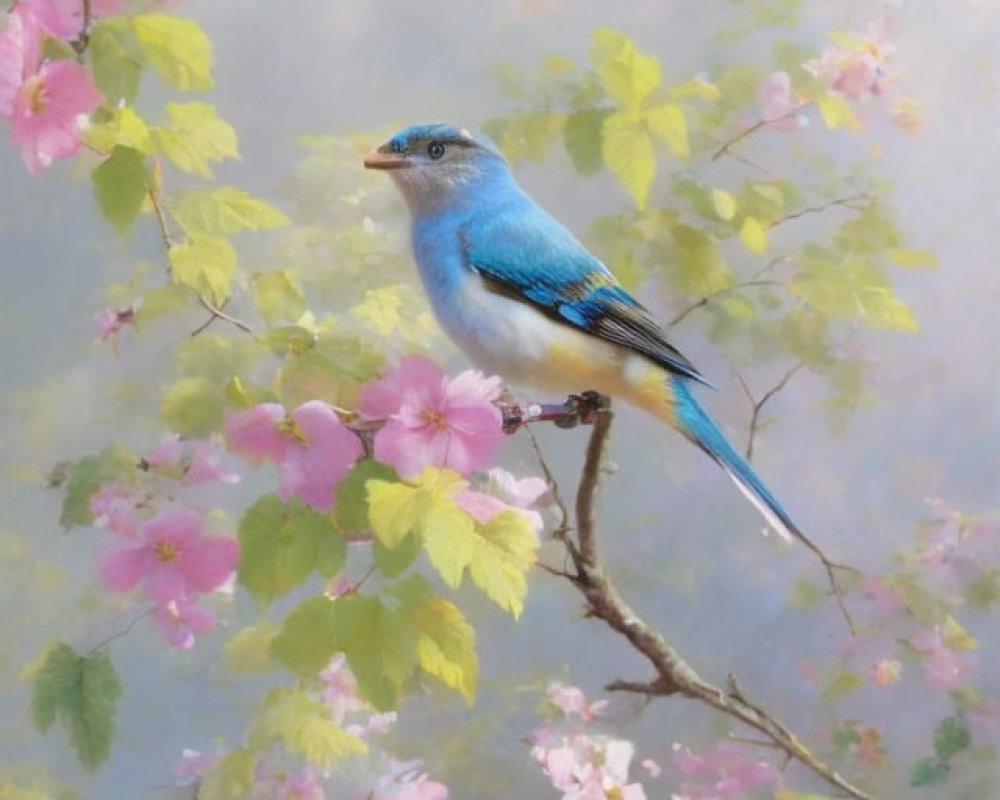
x=758 y=405
x=747 y=132
x=840 y=201
x=708 y=298
x=673 y=674
x=82 y=40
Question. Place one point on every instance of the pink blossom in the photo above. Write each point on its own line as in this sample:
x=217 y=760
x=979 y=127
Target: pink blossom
x=20 y=52
x=434 y=421
x=856 y=72
x=195 y=764
x=885 y=671
x=340 y=690
x=64 y=19
x=204 y=465
x=113 y=507
x=404 y=780
x=47 y=112
x=172 y=558
x=572 y=700
x=885 y=598
x=312 y=448
x=944 y=667
x=582 y=766
x=377 y=724
x=167 y=453
x=181 y=621
x=279 y=784
x=723 y=773
x=776 y=104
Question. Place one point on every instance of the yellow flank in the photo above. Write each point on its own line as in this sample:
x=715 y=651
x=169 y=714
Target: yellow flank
x=612 y=371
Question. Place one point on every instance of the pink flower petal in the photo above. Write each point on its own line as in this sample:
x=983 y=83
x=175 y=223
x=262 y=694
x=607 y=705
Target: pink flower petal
x=167 y=453
x=209 y=562
x=254 y=432
x=122 y=570
x=204 y=466
x=181 y=621
x=382 y=398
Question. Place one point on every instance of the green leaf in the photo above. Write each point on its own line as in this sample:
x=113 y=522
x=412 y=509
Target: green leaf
x=668 y=123
x=277 y=296
x=806 y=594
x=249 y=650
x=582 y=139
x=754 y=235
x=928 y=772
x=232 y=779
x=724 y=204
x=206 y=265
x=394 y=561
x=914 y=259
x=951 y=737
x=503 y=552
x=446 y=642
x=216 y=357
x=699 y=267
x=86 y=476
x=115 y=64
x=193 y=407
x=351 y=512
x=177 y=48
x=281 y=544
x=306 y=642
x=82 y=692
x=526 y=135
x=330 y=368
x=304 y=726
x=225 y=210
x=124 y=127
x=626 y=74
x=837 y=113
x=195 y=138
x=120 y=184
x=160 y=302
x=843 y=684
x=627 y=150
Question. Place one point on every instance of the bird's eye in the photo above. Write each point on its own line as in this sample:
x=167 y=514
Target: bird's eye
x=396 y=146
x=435 y=150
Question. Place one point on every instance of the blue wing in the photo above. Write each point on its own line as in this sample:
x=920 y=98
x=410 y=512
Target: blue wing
x=524 y=253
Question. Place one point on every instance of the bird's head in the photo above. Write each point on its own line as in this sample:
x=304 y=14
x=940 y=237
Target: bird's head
x=436 y=165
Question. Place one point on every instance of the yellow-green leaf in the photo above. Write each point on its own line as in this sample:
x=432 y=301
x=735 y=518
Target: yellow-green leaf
x=207 y=265
x=249 y=650
x=278 y=296
x=724 y=204
x=195 y=138
x=306 y=641
x=700 y=267
x=193 y=407
x=754 y=235
x=916 y=259
x=380 y=308
x=668 y=123
x=162 y=301
x=177 y=48
x=115 y=63
x=626 y=74
x=627 y=149
x=504 y=551
x=955 y=636
x=120 y=185
x=125 y=128
x=231 y=779
x=225 y=210
x=837 y=113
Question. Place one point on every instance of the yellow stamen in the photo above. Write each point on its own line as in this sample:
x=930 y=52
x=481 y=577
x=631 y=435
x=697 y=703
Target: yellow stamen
x=165 y=551
x=289 y=427
x=435 y=418
x=36 y=94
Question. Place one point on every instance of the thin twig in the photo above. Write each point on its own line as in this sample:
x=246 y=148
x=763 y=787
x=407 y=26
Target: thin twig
x=673 y=674
x=550 y=479
x=708 y=298
x=82 y=40
x=218 y=313
x=840 y=201
x=758 y=405
x=763 y=123
x=123 y=632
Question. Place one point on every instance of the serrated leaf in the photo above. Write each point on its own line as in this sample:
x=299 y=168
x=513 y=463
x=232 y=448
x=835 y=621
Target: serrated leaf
x=195 y=138
x=86 y=476
x=177 y=48
x=753 y=235
x=446 y=643
x=504 y=552
x=951 y=737
x=699 y=267
x=277 y=296
x=955 y=636
x=928 y=772
x=282 y=543
x=330 y=368
x=193 y=407
x=250 y=649
x=526 y=135
x=627 y=149
x=668 y=123
x=224 y=210
x=914 y=259
x=206 y=265
x=724 y=204
x=304 y=726
x=394 y=561
x=306 y=642
x=116 y=67
x=82 y=692
x=161 y=302
x=125 y=127
x=626 y=74
x=843 y=684
x=351 y=512
x=232 y=779
x=381 y=307
x=837 y=113
x=582 y=139
x=120 y=184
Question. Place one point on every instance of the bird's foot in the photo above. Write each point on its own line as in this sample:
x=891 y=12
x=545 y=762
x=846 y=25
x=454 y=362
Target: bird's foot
x=583 y=409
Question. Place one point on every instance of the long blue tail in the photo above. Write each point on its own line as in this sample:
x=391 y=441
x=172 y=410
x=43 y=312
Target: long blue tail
x=695 y=423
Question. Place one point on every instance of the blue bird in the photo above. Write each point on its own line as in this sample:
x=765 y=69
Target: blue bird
x=523 y=298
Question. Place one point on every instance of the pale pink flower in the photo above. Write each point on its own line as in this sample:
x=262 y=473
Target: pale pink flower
x=856 y=72
x=377 y=724
x=340 y=690
x=723 y=773
x=312 y=448
x=63 y=19
x=113 y=507
x=652 y=768
x=436 y=422
x=571 y=700
x=886 y=671
x=194 y=764
x=777 y=106
x=172 y=557
x=47 y=112
x=20 y=52
x=582 y=766
x=404 y=780
x=944 y=667
x=167 y=453
x=204 y=465
x=272 y=783
x=886 y=599
x=181 y=621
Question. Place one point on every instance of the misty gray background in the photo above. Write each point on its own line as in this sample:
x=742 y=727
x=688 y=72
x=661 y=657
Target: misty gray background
x=682 y=543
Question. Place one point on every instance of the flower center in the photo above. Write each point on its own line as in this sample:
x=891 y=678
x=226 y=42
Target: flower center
x=433 y=416
x=290 y=428
x=165 y=551
x=36 y=94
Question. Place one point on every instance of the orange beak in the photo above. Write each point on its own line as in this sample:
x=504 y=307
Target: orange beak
x=381 y=159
